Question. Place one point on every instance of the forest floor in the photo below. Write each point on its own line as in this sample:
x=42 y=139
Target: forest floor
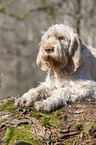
x=74 y=124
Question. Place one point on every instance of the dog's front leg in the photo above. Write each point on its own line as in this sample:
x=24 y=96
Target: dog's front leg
x=70 y=93
x=33 y=95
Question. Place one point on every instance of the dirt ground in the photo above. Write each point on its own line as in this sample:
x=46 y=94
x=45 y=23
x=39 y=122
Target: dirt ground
x=74 y=124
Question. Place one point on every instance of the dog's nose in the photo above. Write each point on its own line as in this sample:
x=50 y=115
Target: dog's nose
x=49 y=49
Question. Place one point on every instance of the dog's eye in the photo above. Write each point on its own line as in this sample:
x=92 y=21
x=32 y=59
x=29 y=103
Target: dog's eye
x=61 y=38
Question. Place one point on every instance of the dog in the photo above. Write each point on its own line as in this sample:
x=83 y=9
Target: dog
x=71 y=67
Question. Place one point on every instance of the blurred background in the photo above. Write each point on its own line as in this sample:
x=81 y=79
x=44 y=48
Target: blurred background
x=21 y=26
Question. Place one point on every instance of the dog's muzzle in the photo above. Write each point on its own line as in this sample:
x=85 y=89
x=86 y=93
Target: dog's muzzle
x=49 y=49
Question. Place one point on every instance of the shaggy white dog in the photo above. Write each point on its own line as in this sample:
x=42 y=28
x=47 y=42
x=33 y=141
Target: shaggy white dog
x=71 y=67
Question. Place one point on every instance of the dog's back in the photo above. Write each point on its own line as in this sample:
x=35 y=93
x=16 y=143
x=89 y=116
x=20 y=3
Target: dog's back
x=89 y=54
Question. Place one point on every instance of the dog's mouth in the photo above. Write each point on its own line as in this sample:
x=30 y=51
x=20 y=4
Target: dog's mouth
x=48 y=58
x=49 y=52
x=51 y=61
x=52 y=57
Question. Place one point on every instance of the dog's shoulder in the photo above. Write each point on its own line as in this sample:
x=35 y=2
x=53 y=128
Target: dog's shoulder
x=92 y=50
x=88 y=50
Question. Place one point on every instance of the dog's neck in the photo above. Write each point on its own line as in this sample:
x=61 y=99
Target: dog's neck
x=58 y=74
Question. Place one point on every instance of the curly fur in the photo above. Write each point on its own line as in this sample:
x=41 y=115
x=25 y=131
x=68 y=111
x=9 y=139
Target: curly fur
x=71 y=67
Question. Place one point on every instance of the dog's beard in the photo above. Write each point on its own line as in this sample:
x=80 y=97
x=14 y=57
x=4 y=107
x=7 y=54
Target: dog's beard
x=54 y=61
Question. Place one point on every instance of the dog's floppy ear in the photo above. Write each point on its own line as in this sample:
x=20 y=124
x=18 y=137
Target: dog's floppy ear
x=41 y=63
x=75 y=58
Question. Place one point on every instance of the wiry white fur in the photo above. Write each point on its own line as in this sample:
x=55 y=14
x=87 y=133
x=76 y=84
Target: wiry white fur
x=63 y=82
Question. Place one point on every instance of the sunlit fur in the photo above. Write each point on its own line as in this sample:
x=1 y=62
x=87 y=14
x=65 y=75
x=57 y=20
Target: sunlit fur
x=71 y=67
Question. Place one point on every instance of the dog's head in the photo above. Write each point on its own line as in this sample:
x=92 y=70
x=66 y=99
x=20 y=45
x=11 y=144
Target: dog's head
x=60 y=48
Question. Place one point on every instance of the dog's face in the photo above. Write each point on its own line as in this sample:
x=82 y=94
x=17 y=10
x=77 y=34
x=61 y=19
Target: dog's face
x=60 y=48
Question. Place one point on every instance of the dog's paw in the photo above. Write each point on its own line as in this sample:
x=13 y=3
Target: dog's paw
x=43 y=106
x=25 y=100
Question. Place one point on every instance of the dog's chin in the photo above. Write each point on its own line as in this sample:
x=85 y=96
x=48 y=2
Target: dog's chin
x=52 y=61
x=49 y=58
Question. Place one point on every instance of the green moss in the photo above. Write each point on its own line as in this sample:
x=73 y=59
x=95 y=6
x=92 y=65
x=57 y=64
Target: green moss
x=93 y=99
x=7 y=106
x=51 y=16
x=43 y=1
x=2 y=10
x=48 y=121
x=20 y=134
x=57 y=113
x=89 y=112
x=86 y=130
x=79 y=126
x=37 y=114
x=69 y=142
x=59 y=4
x=10 y=3
x=21 y=17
